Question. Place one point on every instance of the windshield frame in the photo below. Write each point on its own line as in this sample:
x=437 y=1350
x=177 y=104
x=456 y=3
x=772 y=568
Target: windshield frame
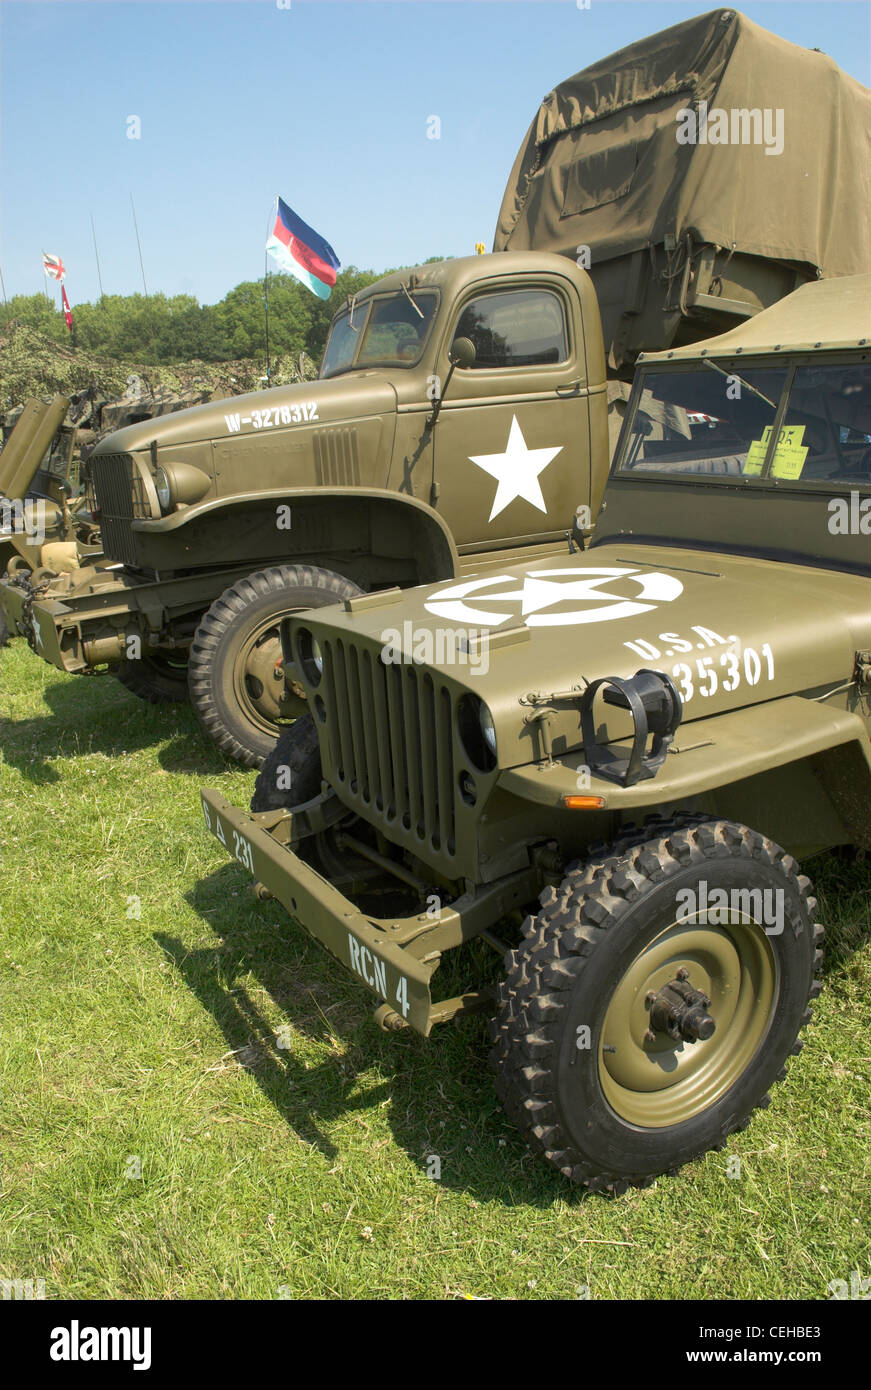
x=738 y=365
x=365 y=307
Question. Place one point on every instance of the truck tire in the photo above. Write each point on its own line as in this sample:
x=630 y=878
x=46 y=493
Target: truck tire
x=584 y=1064
x=233 y=673
x=291 y=773
x=156 y=679
x=4 y=629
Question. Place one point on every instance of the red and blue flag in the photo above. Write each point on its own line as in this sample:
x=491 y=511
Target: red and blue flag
x=301 y=251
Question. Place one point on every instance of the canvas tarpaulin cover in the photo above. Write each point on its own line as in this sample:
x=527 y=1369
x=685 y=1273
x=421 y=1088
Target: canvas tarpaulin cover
x=602 y=167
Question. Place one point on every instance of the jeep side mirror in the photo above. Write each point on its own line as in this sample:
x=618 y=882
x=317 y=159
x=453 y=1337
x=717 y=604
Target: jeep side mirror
x=462 y=353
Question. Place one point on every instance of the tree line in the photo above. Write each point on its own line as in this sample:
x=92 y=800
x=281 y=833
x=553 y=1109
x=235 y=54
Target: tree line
x=159 y=329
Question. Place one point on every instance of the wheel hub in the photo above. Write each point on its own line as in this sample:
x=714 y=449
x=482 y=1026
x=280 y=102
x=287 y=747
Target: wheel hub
x=265 y=685
x=680 y=1011
x=651 y=1073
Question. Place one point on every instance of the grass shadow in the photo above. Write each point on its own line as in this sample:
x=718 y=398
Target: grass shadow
x=94 y=714
x=442 y=1101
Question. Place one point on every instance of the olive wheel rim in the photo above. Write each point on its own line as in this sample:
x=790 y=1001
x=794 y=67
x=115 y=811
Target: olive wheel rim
x=661 y=1083
x=263 y=681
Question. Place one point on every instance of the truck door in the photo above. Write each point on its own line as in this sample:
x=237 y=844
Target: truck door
x=512 y=450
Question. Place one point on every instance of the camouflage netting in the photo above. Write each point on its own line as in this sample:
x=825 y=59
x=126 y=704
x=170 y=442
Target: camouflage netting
x=106 y=395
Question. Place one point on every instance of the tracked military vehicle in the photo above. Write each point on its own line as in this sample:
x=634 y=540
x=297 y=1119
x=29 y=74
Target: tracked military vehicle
x=609 y=765
x=464 y=413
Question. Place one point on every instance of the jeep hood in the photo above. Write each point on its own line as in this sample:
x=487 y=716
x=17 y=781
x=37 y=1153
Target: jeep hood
x=730 y=631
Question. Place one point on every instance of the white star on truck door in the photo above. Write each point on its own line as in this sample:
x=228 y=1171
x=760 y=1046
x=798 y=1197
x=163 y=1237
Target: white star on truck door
x=516 y=471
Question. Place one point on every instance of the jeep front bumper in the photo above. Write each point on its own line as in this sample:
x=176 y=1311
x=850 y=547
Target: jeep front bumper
x=394 y=957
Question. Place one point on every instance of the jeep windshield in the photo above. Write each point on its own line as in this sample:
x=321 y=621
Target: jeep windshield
x=796 y=426
x=385 y=331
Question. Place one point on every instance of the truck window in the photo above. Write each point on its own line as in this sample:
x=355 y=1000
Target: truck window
x=343 y=340
x=396 y=330
x=703 y=420
x=515 y=328
x=387 y=331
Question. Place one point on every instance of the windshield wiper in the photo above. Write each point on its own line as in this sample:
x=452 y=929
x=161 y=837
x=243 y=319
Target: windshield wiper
x=414 y=306
x=714 y=366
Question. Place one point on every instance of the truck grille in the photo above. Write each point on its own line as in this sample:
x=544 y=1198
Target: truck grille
x=122 y=497
x=390 y=740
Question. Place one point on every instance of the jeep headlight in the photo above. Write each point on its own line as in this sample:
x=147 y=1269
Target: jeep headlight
x=488 y=728
x=309 y=656
x=477 y=732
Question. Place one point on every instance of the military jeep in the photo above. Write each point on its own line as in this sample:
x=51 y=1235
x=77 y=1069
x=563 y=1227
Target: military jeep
x=608 y=766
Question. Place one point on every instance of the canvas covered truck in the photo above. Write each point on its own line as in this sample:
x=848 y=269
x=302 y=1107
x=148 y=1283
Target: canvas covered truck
x=608 y=765
x=461 y=417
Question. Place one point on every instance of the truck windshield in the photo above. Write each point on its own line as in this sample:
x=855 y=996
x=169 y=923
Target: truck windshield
x=386 y=331
x=719 y=422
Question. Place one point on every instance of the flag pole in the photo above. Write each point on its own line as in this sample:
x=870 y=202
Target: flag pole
x=3 y=288
x=139 y=245
x=97 y=257
x=266 y=288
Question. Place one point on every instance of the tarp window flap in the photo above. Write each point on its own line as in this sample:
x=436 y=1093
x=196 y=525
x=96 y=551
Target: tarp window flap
x=599 y=178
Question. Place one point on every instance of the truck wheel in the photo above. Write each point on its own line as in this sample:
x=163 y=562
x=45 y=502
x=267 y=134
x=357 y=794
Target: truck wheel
x=291 y=773
x=643 y=944
x=158 y=679
x=235 y=677
x=4 y=629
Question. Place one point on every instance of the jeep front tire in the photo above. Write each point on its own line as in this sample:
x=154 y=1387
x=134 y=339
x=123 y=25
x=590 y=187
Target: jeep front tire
x=635 y=1033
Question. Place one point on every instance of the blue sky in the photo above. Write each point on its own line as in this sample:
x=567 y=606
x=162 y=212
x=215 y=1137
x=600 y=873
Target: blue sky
x=326 y=102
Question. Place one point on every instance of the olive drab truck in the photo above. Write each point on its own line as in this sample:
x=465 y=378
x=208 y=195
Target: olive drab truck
x=466 y=410
x=609 y=764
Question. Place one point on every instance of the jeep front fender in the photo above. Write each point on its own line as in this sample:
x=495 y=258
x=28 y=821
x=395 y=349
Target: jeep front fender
x=814 y=757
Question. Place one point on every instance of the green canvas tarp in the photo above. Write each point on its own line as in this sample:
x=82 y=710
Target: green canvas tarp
x=774 y=191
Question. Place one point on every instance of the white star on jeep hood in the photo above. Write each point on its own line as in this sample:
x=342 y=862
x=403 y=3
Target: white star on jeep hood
x=516 y=471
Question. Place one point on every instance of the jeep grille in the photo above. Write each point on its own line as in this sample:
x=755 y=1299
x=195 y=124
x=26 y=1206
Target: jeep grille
x=389 y=742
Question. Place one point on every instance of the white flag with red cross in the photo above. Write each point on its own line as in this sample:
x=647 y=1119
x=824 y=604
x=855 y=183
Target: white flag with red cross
x=54 y=267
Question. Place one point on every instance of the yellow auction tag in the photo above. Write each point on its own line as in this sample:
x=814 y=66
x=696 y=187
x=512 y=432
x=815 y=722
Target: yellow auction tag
x=789 y=455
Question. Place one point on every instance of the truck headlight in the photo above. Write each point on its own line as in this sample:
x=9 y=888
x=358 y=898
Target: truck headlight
x=477 y=732
x=179 y=483
x=162 y=488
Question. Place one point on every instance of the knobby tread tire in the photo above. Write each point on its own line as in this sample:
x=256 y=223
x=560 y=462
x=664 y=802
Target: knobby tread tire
x=297 y=749
x=559 y=943
x=304 y=586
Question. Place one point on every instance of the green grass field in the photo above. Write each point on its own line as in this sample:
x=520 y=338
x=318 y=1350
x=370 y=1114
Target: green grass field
x=160 y=1022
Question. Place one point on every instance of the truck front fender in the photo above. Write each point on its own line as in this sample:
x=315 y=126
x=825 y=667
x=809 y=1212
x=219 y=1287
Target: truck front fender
x=371 y=529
